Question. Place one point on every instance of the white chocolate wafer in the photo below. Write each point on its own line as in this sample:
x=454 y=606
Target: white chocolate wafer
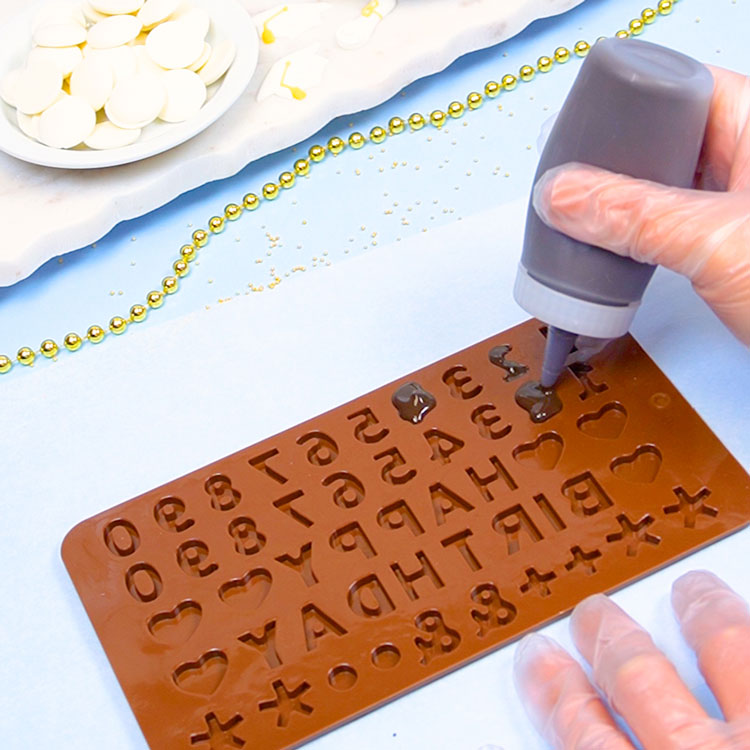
x=65 y=34
x=113 y=7
x=156 y=11
x=136 y=101
x=93 y=82
x=107 y=135
x=38 y=87
x=66 y=58
x=67 y=123
x=29 y=124
x=220 y=61
x=174 y=44
x=114 y=32
x=186 y=94
x=9 y=86
x=203 y=59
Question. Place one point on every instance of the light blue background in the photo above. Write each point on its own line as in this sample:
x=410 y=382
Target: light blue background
x=193 y=384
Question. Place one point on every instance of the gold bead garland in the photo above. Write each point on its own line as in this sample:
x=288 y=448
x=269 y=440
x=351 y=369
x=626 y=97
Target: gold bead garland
x=316 y=154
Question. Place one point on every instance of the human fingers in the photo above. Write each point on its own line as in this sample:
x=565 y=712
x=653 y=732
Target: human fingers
x=715 y=621
x=637 y=679
x=560 y=700
x=704 y=236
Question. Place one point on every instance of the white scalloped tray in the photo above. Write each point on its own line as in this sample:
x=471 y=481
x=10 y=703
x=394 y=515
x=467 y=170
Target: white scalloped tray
x=418 y=38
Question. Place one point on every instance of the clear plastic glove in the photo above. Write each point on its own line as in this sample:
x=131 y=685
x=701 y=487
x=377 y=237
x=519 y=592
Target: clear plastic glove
x=702 y=233
x=636 y=678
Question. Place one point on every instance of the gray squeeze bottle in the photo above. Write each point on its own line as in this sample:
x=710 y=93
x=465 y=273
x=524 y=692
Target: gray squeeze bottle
x=638 y=109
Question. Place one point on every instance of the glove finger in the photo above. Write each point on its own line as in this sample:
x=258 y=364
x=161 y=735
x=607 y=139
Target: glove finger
x=725 y=162
x=639 y=682
x=715 y=621
x=701 y=235
x=560 y=700
x=648 y=222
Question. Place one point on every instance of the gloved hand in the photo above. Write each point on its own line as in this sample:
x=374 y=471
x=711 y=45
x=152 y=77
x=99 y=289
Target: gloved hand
x=702 y=233
x=637 y=679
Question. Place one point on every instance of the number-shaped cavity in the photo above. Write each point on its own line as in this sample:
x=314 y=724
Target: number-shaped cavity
x=223 y=496
x=350 y=492
x=323 y=450
x=122 y=538
x=192 y=557
x=460 y=382
x=367 y=429
x=169 y=513
x=144 y=583
x=247 y=539
x=394 y=471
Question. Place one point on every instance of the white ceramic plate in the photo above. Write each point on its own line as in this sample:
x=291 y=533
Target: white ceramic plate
x=230 y=20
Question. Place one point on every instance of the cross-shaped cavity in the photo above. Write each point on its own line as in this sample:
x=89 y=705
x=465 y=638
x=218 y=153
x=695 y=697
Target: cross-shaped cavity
x=634 y=534
x=286 y=702
x=219 y=735
x=692 y=506
x=538 y=582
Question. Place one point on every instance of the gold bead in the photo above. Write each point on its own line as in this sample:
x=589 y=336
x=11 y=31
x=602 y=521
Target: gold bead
x=456 y=110
x=317 y=153
x=118 y=325
x=216 y=224
x=378 y=134
x=544 y=64
x=492 y=89
x=357 y=140
x=180 y=268
x=26 y=356
x=474 y=100
x=302 y=167
x=582 y=48
x=396 y=126
x=417 y=121
x=287 y=180
x=637 y=27
x=526 y=73
x=170 y=285
x=622 y=34
x=155 y=299
x=648 y=15
x=336 y=145
x=49 y=348
x=188 y=253
x=270 y=191
x=233 y=212
x=665 y=7
x=73 y=342
x=200 y=238
x=138 y=313
x=437 y=118
x=95 y=334
x=509 y=82
x=5 y=364
x=251 y=201
x=562 y=55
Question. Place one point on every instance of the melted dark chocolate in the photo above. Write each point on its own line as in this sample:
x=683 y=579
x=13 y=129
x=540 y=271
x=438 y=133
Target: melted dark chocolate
x=413 y=402
x=513 y=369
x=541 y=403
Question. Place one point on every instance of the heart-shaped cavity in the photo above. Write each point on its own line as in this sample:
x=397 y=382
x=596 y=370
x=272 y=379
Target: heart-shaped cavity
x=248 y=592
x=640 y=466
x=544 y=452
x=204 y=676
x=176 y=626
x=605 y=424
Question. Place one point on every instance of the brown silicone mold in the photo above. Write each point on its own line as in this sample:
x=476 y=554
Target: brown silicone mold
x=291 y=586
